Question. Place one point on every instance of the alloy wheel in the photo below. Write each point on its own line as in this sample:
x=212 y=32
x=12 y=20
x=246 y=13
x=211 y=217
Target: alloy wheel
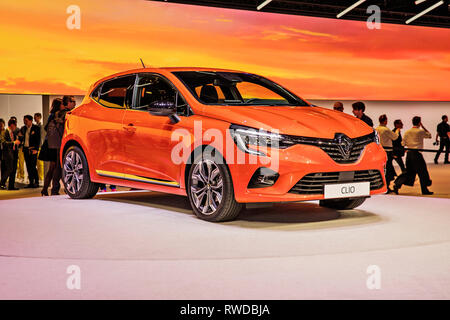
x=206 y=186
x=73 y=172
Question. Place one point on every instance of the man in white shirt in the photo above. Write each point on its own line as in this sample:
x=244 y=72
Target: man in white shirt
x=386 y=138
x=415 y=163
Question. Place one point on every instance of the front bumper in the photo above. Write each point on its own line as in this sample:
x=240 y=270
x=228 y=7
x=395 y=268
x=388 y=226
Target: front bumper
x=296 y=162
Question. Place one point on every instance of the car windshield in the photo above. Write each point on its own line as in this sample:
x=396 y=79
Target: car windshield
x=233 y=88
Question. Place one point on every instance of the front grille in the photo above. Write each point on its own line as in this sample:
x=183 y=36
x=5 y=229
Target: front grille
x=333 y=147
x=313 y=183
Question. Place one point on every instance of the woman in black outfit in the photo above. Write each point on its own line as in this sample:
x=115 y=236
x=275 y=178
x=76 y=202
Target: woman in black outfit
x=53 y=138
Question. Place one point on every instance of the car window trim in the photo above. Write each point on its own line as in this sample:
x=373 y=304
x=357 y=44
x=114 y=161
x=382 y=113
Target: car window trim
x=134 y=103
x=100 y=87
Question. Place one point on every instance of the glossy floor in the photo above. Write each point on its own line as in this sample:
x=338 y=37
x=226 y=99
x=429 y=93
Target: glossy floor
x=440 y=174
x=150 y=246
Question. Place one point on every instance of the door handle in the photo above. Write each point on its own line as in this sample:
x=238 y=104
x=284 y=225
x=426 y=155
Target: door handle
x=130 y=128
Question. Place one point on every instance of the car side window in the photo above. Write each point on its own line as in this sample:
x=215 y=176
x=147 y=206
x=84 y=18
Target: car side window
x=117 y=93
x=151 y=88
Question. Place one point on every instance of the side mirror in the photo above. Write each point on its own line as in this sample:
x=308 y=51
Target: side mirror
x=164 y=109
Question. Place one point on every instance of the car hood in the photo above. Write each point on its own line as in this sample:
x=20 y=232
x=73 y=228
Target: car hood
x=299 y=121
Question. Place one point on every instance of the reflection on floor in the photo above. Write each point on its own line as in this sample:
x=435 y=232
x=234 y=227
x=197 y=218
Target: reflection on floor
x=146 y=245
x=440 y=174
x=295 y=216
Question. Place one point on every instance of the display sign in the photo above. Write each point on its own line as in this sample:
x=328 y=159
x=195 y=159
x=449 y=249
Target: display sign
x=346 y=190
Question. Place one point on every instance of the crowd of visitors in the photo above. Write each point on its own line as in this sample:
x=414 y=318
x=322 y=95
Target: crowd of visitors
x=33 y=144
x=410 y=143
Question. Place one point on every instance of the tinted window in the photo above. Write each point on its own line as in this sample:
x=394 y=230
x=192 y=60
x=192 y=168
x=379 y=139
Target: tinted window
x=153 y=88
x=117 y=93
x=235 y=88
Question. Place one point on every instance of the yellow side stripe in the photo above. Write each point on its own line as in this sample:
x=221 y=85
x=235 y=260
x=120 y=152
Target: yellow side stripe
x=135 y=178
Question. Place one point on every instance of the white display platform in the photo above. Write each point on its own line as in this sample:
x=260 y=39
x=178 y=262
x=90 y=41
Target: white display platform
x=143 y=245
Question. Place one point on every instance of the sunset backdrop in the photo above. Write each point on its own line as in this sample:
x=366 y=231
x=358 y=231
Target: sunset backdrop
x=315 y=57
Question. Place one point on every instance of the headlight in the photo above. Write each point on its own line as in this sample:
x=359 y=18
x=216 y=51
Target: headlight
x=376 y=136
x=247 y=136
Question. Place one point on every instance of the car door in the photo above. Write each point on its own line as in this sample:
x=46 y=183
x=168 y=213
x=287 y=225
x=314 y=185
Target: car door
x=148 y=144
x=104 y=120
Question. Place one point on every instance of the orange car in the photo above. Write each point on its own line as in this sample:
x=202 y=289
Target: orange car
x=221 y=137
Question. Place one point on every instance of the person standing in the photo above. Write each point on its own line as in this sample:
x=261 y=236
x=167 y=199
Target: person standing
x=358 y=110
x=40 y=164
x=51 y=144
x=31 y=141
x=338 y=106
x=443 y=133
x=10 y=144
x=68 y=103
x=20 y=159
x=386 y=138
x=2 y=131
x=397 y=147
x=415 y=163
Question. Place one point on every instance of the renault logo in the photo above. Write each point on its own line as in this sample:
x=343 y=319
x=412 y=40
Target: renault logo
x=345 y=145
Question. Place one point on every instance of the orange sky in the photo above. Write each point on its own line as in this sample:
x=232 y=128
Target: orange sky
x=314 y=57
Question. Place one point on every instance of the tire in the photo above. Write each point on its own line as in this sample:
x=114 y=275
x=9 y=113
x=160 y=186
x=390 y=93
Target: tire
x=342 y=204
x=210 y=174
x=75 y=175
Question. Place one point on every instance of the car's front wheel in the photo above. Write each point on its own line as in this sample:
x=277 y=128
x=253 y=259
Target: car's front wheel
x=75 y=174
x=342 y=204
x=210 y=190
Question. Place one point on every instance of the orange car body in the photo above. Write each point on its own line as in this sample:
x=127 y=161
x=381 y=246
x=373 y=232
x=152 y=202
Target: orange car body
x=139 y=156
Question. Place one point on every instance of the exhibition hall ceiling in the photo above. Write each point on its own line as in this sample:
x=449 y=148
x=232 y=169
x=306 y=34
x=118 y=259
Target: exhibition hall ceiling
x=318 y=58
x=393 y=11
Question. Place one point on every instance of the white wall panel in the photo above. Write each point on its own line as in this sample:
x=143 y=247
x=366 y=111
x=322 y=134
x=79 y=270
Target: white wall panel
x=431 y=113
x=19 y=105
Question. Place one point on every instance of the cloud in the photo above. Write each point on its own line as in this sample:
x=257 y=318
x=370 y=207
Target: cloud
x=275 y=35
x=308 y=32
x=223 y=20
x=21 y=85
x=112 y=65
x=323 y=88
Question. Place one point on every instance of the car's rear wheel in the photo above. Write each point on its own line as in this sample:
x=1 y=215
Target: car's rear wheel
x=76 y=178
x=342 y=204
x=210 y=190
